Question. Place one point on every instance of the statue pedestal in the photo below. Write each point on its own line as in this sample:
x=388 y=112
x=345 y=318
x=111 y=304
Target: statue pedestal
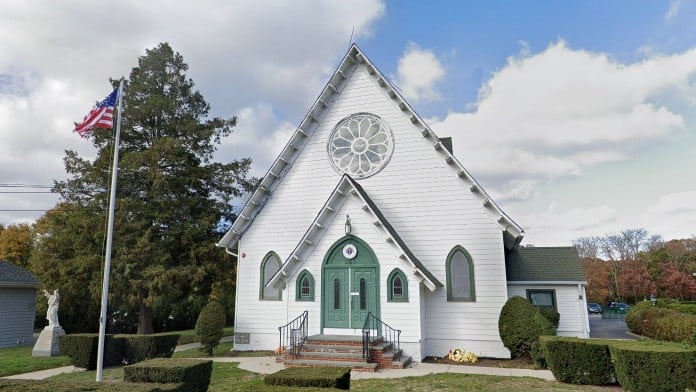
x=47 y=344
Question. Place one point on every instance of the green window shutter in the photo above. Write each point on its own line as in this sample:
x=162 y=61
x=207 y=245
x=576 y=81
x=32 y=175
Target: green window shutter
x=304 y=286
x=460 y=276
x=397 y=286
x=269 y=266
x=542 y=298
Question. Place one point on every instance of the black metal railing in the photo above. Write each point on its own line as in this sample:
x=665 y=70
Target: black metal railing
x=374 y=328
x=293 y=335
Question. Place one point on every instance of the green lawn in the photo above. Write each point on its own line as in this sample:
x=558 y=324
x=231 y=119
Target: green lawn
x=18 y=360
x=222 y=350
x=189 y=335
x=228 y=377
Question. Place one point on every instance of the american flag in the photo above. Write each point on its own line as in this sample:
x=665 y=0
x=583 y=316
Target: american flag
x=101 y=116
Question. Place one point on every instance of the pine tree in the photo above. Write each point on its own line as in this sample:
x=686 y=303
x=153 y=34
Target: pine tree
x=173 y=201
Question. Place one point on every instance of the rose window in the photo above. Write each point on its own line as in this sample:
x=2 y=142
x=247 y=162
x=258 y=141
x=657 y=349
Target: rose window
x=360 y=145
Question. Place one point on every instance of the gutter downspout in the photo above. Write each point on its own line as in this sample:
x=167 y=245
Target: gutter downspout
x=583 y=311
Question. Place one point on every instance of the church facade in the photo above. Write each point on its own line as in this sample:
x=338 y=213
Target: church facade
x=367 y=213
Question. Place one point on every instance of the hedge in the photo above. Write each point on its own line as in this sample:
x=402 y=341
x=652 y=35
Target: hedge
x=194 y=375
x=520 y=324
x=71 y=386
x=320 y=377
x=654 y=366
x=662 y=323
x=83 y=348
x=578 y=361
x=637 y=365
x=138 y=348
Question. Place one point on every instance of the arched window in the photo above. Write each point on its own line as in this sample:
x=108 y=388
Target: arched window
x=269 y=266
x=460 y=276
x=397 y=287
x=304 y=287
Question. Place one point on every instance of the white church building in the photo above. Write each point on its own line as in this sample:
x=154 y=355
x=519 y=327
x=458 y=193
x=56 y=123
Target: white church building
x=367 y=213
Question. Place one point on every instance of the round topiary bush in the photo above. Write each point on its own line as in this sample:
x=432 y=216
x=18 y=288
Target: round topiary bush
x=210 y=325
x=520 y=325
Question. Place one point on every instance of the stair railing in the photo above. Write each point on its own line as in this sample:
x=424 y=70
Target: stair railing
x=293 y=335
x=374 y=327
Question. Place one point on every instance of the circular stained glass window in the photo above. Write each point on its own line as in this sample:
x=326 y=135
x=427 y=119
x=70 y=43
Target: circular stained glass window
x=361 y=145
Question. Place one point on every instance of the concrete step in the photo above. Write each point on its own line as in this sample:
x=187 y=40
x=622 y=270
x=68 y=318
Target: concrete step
x=356 y=366
x=401 y=363
x=331 y=348
x=346 y=357
x=339 y=340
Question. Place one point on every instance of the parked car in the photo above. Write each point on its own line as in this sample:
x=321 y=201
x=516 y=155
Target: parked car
x=593 y=307
x=619 y=307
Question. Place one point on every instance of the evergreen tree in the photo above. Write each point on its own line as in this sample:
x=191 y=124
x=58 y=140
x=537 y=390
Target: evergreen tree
x=173 y=201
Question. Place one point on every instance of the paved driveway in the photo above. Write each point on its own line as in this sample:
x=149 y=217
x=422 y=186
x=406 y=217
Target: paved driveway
x=608 y=328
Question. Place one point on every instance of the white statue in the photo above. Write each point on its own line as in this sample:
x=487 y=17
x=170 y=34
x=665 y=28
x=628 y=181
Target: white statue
x=52 y=312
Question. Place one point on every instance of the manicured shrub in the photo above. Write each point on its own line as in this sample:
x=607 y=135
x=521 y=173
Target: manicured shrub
x=520 y=324
x=320 y=377
x=83 y=349
x=194 y=375
x=210 y=325
x=683 y=308
x=654 y=366
x=578 y=361
x=71 y=386
x=537 y=355
x=661 y=323
x=550 y=314
x=141 y=347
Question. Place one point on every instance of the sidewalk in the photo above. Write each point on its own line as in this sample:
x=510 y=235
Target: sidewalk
x=267 y=365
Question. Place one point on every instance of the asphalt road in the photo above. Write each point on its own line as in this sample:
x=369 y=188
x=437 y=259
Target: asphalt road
x=608 y=328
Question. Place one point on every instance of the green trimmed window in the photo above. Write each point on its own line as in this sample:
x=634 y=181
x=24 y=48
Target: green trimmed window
x=460 y=276
x=304 y=287
x=542 y=298
x=269 y=266
x=397 y=286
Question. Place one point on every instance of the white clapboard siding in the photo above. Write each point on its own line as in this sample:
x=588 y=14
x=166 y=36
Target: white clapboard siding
x=570 y=303
x=427 y=203
x=17 y=308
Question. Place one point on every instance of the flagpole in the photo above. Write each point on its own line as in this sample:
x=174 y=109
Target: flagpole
x=109 y=239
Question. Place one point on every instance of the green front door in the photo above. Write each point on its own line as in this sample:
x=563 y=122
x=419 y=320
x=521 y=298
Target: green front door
x=363 y=294
x=336 y=298
x=350 y=286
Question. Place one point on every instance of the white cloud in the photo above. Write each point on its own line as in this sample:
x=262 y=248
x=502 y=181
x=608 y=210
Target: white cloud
x=673 y=10
x=237 y=52
x=561 y=227
x=673 y=215
x=557 y=112
x=260 y=134
x=418 y=73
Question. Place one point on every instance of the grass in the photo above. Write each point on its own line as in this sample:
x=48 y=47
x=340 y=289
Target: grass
x=189 y=335
x=222 y=350
x=227 y=377
x=16 y=360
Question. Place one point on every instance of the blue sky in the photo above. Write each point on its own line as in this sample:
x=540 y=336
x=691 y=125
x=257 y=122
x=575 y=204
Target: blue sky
x=578 y=117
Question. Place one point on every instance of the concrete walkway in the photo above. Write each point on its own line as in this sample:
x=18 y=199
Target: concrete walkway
x=267 y=365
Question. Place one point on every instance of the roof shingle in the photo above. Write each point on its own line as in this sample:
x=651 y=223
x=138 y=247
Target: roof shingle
x=545 y=264
x=11 y=275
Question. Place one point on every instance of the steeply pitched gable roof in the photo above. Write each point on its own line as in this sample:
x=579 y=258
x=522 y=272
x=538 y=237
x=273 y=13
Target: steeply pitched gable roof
x=14 y=276
x=345 y=187
x=544 y=264
x=513 y=233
